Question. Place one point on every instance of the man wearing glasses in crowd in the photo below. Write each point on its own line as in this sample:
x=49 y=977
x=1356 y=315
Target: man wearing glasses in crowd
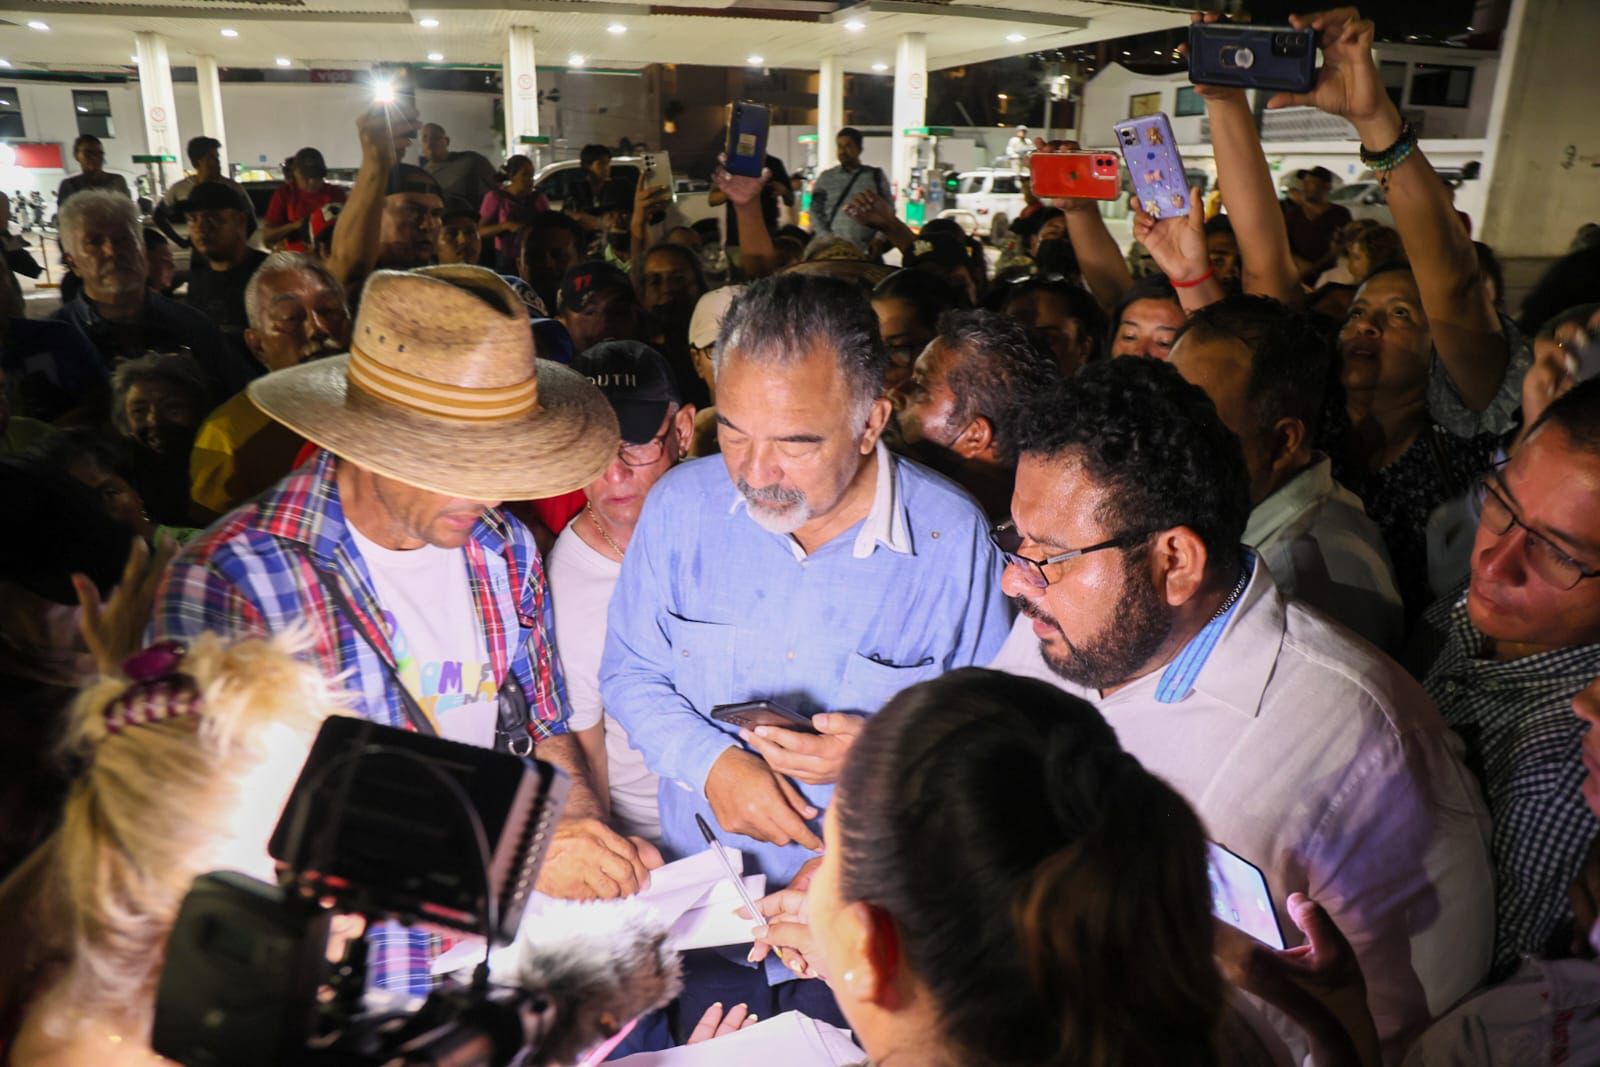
x=1505 y=655
x=1304 y=749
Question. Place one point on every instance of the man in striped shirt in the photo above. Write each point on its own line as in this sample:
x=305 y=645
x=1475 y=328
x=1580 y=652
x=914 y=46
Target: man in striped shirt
x=1505 y=656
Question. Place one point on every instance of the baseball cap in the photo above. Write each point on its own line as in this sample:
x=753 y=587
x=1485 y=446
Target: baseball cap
x=407 y=178
x=212 y=196
x=636 y=381
x=586 y=279
x=708 y=314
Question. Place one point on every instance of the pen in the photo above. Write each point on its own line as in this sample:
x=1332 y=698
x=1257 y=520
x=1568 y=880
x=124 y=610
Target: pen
x=738 y=882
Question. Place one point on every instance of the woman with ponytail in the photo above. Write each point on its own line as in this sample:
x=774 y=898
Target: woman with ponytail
x=507 y=210
x=1004 y=886
x=188 y=757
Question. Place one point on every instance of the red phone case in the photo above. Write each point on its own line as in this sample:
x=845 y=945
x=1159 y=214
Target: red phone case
x=1080 y=175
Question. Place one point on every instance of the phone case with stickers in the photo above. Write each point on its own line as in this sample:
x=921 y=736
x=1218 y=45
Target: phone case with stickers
x=1154 y=166
x=748 y=123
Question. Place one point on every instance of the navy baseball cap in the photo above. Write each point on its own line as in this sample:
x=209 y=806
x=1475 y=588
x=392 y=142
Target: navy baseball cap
x=637 y=382
x=586 y=279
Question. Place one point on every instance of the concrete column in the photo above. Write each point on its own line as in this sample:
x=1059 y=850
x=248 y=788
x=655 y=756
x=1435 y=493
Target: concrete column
x=210 y=86
x=910 y=107
x=830 y=111
x=160 y=109
x=519 y=81
x=1541 y=166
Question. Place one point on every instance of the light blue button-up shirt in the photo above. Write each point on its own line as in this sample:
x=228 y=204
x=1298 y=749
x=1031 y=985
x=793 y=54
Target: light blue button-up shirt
x=712 y=609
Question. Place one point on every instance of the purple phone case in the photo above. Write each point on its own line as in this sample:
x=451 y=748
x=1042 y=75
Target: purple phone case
x=1154 y=166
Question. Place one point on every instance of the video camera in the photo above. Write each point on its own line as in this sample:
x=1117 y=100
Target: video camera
x=386 y=824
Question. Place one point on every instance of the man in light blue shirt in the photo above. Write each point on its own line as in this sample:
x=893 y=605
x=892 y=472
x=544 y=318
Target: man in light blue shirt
x=810 y=567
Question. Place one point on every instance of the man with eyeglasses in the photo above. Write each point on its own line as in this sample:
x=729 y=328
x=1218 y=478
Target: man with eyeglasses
x=1305 y=750
x=657 y=426
x=1505 y=655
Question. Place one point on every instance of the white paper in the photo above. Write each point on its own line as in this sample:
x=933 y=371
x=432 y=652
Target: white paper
x=787 y=1040
x=693 y=897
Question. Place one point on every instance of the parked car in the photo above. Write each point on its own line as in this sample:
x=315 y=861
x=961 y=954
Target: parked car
x=1364 y=200
x=689 y=197
x=993 y=196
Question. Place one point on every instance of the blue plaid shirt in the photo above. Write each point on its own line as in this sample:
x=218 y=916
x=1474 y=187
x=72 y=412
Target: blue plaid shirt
x=259 y=570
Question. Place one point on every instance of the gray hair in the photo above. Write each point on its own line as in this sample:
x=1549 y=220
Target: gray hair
x=781 y=319
x=175 y=368
x=997 y=367
x=98 y=203
x=283 y=263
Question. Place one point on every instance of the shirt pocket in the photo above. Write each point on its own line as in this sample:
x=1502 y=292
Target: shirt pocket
x=702 y=661
x=870 y=682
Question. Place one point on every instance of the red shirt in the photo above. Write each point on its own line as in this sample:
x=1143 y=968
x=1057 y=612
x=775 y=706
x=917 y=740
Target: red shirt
x=290 y=203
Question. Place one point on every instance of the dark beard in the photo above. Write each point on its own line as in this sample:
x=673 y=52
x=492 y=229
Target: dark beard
x=1140 y=624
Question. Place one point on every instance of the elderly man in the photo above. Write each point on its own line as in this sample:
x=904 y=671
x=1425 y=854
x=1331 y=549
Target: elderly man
x=957 y=411
x=220 y=224
x=121 y=316
x=807 y=566
x=1302 y=748
x=296 y=312
x=1505 y=656
x=587 y=559
x=423 y=598
x=1266 y=369
x=464 y=177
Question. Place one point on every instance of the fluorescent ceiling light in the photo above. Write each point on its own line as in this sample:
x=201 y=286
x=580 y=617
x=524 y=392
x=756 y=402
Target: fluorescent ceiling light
x=617 y=28
x=880 y=67
x=42 y=27
x=428 y=24
x=754 y=61
x=855 y=25
x=283 y=61
x=230 y=33
x=435 y=57
x=575 y=60
x=1015 y=38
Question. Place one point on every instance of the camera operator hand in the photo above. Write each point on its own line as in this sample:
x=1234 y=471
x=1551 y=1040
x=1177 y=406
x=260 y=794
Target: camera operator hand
x=748 y=797
x=114 y=630
x=813 y=759
x=590 y=861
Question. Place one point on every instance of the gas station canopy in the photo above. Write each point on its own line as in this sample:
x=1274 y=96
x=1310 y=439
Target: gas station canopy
x=792 y=34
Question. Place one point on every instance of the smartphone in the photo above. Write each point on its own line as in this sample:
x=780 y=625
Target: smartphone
x=1253 y=57
x=1240 y=898
x=1083 y=175
x=753 y=713
x=1154 y=166
x=649 y=178
x=747 y=138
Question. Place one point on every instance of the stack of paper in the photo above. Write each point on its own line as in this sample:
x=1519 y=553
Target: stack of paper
x=788 y=1040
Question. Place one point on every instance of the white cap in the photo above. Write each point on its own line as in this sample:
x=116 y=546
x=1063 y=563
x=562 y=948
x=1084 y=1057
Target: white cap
x=708 y=313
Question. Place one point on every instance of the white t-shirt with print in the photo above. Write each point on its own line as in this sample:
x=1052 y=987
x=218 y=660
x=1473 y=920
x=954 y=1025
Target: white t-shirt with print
x=581 y=581
x=438 y=645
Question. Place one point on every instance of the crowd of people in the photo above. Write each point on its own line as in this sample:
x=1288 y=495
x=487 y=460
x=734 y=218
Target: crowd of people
x=1280 y=534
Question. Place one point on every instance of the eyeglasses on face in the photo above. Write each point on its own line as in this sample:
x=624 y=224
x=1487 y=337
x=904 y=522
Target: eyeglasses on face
x=1546 y=560
x=1009 y=542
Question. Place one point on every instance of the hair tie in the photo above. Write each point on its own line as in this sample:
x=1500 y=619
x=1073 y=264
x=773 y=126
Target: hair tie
x=158 y=689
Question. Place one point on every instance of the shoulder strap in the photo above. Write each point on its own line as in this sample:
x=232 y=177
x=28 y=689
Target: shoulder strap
x=418 y=718
x=844 y=196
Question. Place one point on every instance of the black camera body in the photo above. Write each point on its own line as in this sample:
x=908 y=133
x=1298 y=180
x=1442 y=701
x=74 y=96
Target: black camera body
x=1279 y=58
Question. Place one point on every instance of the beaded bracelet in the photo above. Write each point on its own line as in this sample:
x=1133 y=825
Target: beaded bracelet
x=1387 y=160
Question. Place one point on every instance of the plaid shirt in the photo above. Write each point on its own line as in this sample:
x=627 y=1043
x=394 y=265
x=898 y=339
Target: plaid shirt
x=1524 y=744
x=256 y=572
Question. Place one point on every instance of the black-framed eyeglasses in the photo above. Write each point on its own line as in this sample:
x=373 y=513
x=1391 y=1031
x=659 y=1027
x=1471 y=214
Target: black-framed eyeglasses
x=1546 y=560
x=1009 y=542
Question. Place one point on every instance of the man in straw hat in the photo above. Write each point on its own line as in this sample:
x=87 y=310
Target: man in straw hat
x=425 y=600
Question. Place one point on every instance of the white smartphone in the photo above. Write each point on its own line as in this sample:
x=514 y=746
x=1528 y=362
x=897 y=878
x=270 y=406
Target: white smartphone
x=1240 y=898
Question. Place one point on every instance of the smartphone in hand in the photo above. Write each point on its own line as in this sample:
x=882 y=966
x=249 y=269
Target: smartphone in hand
x=1280 y=58
x=748 y=123
x=1240 y=898
x=1078 y=175
x=753 y=713
x=1154 y=166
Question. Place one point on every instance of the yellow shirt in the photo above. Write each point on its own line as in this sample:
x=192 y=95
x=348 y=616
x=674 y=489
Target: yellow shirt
x=238 y=453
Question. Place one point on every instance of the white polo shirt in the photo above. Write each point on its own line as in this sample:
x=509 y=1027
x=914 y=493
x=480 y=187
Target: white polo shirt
x=1318 y=759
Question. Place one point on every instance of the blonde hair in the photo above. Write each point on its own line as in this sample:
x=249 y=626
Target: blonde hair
x=152 y=808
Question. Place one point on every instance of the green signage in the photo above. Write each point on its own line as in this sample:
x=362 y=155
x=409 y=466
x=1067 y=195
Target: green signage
x=807 y=138
x=155 y=159
x=528 y=139
x=929 y=131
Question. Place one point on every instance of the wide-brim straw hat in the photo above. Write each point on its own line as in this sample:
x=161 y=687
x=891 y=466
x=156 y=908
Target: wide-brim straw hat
x=441 y=390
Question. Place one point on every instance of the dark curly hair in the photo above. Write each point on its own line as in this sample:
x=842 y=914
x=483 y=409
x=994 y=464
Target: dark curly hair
x=1156 y=447
x=997 y=368
x=1291 y=360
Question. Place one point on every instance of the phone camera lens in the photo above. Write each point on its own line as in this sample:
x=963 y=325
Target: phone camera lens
x=1288 y=44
